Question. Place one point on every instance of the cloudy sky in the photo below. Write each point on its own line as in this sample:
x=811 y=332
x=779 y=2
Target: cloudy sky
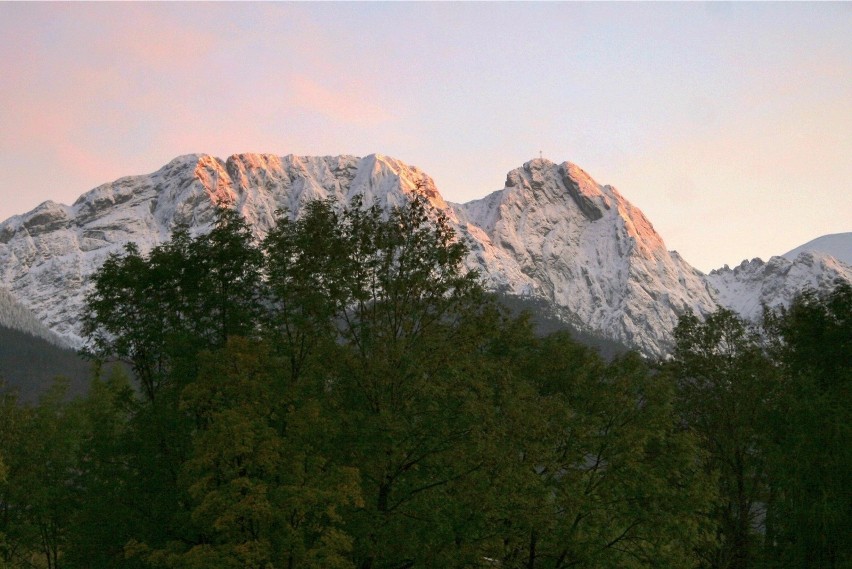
x=729 y=125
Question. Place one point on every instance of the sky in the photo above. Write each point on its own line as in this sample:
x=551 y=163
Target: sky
x=728 y=124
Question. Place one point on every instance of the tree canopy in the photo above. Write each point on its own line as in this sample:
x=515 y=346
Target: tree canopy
x=344 y=394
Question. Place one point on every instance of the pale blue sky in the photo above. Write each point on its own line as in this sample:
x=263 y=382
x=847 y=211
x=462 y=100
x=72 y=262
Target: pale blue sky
x=728 y=124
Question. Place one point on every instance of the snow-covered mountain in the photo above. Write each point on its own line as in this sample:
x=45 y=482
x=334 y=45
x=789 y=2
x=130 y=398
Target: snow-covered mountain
x=554 y=233
x=838 y=245
x=751 y=285
x=47 y=255
x=551 y=234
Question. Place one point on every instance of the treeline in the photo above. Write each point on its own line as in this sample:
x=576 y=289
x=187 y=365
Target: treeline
x=345 y=395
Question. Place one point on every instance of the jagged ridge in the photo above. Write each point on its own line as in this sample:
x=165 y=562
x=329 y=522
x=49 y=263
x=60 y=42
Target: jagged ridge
x=751 y=285
x=552 y=234
x=47 y=255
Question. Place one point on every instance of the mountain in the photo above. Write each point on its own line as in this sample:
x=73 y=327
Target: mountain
x=838 y=245
x=751 y=285
x=555 y=234
x=48 y=254
x=551 y=236
x=15 y=316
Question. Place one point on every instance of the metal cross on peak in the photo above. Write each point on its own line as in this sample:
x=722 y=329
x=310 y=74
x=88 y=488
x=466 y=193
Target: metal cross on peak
x=539 y=155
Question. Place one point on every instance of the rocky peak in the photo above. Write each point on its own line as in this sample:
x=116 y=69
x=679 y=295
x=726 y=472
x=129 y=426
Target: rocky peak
x=552 y=234
x=583 y=190
x=583 y=247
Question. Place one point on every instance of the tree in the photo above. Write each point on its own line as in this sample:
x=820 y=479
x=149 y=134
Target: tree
x=10 y=422
x=105 y=483
x=810 y=514
x=606 y=477
x=725 y=387
x=410 y=321
x=260 y=491
x=38 y=499
x=306 y=262
x=359 y=401
x=373 y=313
x=156 y=312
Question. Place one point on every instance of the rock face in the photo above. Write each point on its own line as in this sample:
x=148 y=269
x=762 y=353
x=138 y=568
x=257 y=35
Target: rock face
x=551 y=234
x=15 y=316
x=48 y=254
x=753 y=284
x=554 y=233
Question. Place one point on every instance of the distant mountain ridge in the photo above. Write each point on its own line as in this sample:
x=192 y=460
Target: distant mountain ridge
x=29 y=364
x=751 y=285
x=552 y=235
x=838 y=245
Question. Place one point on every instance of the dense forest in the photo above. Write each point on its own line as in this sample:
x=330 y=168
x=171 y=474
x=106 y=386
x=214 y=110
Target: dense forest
x=29 y=363
x=344 y=394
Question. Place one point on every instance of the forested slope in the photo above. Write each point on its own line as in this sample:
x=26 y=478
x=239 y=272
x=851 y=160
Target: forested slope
x=29 y=364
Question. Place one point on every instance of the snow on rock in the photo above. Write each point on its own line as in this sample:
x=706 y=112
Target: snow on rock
x=838 y=245
x=749 y=287
x=17 y=317
x=552 y=234
x=48 y=254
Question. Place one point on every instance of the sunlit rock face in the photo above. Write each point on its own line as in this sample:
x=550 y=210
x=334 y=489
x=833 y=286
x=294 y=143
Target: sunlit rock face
x=48 y=254
x=556 y=234
x=552 y=233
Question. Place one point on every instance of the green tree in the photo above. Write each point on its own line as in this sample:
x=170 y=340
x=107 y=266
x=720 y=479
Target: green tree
x=725 y=388
x=608 y=480
x=810 y=515
x=156 y=312
x=369 y=312
x=10 y=424
x=107 y=498
x=358 y=401
x=260 y=489
x=306 y=262
x=411 y=321
x=38 y=499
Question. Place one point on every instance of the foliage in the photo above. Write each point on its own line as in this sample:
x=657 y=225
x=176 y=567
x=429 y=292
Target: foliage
x=156 y=312
x=771 y=406
x=810 y=518
x=37 y=500
x=621 y=482
x=344 y=394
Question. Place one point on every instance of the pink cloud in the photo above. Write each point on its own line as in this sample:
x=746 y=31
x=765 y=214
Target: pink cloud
x=347 y=103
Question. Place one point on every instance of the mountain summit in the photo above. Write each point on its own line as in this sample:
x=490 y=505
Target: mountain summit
x=551 y=234
x=554 y=233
